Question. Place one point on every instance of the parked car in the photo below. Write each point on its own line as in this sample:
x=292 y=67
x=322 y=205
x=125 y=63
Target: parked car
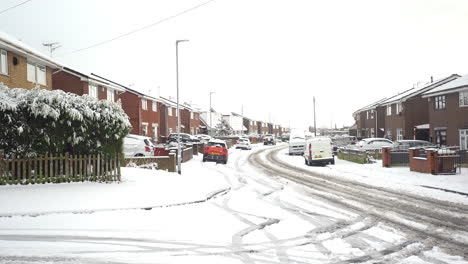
x=406 y=144
x=296 y=145
x=319 y=151
x=374 y=143
x=185 y=138
x=269 y=140
x=216 y=150
x=203 y=137
x=243 y=143
x=138 y=146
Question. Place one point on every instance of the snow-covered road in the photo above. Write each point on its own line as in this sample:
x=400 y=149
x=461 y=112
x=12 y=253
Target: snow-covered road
x=252 y=212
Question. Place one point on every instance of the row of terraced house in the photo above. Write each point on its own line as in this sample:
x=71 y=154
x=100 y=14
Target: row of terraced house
x=156 y=117
x=436 y=111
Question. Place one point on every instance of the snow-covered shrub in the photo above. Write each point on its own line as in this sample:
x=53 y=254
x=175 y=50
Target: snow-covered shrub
x=37 y=121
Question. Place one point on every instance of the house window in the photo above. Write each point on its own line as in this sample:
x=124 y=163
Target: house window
x=399 y=108
x=463 y=98
x=155 y=106
x=399 y=134
x=441 y=137
x=372 y=133
x=463 y=138
x=92 y=91
x=389 y=134
x=3 y=62
x=144 y=129
x=367 y=114
x=191 y=116
x=144 y=104
x=169 y=111
x=170 y=130
x=192 y=130
x=389 y=110
x=110 y=95
x=155 y=132
x=440 y=102
x=36 y=73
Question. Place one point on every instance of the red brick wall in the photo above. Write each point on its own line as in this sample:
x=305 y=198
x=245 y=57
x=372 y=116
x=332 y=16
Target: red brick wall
x=132 y=105
x=185 y=121
x=149 y=116
x=453 y=117
x=68 y=82
x=195 y=123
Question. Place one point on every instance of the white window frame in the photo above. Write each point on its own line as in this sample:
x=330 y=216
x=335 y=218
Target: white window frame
x=144 y=129
x=463 y=98
x=389 y=110
x=110 y=95
x=440 y=102
x=371 y=114
x=155 y=127
x=389 y=134
x=399 y=134
x=191 y=115
x=192 y=130
x=169 y=111
x=155 y=106
x=399 y=108
x=463 y=137
x=144 y=104
x=37 y=68
x=93 y=91
x=3 y=62
x=170 y=130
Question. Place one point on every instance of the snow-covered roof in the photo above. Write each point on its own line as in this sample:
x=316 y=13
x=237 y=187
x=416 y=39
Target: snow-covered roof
x=94 y=79
x=453 y=86
x=14 y=45
x=427 y=87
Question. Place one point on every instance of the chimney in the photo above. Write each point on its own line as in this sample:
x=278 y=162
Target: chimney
x=432 y=79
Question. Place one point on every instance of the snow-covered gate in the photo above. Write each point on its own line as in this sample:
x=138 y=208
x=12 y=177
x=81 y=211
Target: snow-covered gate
x=58 y=169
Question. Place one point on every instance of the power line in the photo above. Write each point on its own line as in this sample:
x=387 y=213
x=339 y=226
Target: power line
x=138 y=29
x=15 y=6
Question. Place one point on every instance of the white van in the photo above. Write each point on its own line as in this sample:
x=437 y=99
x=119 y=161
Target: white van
x=319 y=151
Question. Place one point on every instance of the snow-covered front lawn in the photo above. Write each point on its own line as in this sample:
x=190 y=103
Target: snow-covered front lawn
x=140 y=188
x=398 y=178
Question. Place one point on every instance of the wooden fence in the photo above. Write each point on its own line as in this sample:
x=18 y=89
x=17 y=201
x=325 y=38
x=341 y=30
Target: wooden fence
x=57 y=169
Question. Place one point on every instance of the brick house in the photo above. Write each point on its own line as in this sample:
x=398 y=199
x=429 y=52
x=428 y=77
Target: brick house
x=370 y=119
x=250 y=126
x=171 y=116
x=448 y=113
x=407 y=114
x=72 y=81
x=195 y=123
x=262 y=127
x=23 y=67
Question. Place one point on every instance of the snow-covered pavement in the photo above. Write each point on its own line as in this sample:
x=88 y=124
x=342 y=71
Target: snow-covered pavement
x=213 y=213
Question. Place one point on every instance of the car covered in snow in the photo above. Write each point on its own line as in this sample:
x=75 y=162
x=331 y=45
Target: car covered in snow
x=404 y=145
x=269 y=140
x=185 y=138
x=374 y=143
x=216 y=150
x=319 y=151
x=296 y=145
x=137 y=146
x=243 y=143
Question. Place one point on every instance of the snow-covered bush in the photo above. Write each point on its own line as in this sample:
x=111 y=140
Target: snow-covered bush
x=37 y=121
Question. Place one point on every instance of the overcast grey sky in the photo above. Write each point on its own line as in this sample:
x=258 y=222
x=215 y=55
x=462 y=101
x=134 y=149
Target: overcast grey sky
x=271 y=56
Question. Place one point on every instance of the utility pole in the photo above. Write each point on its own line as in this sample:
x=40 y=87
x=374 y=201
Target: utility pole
x=179 y=153
x=315 y=123
x=211 y=126
x=52 y=46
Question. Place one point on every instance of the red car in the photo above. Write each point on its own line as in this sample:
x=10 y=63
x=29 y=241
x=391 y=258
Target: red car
x=216 y=150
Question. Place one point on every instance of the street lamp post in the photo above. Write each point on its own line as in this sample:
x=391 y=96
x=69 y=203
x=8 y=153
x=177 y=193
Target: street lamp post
x=179 y=153
x=211 y=126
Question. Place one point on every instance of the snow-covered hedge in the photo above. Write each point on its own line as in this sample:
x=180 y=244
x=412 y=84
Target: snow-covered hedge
x=37 y=121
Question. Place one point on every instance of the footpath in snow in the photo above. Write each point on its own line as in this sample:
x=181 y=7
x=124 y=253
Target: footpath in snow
x=452 y=188
x=140 y=188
